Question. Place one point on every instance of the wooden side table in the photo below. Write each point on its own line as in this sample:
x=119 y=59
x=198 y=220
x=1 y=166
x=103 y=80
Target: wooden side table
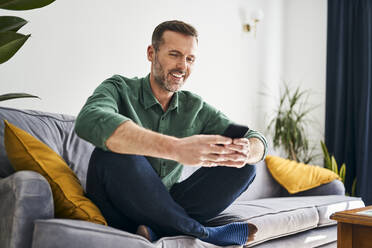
x=354 y=230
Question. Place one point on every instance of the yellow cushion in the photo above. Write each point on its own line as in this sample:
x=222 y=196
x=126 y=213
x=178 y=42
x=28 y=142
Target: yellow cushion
x=296 y=177
x=25 y=152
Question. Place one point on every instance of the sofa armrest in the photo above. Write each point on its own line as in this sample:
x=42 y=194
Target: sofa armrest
x=336 y=187
x=25 y=196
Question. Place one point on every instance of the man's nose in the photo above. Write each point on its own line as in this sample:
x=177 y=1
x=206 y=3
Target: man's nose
x=182 y=64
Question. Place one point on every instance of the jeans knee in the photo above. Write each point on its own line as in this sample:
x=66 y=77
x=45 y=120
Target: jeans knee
x=117 y=164
x=248 y=173
x=250 y=170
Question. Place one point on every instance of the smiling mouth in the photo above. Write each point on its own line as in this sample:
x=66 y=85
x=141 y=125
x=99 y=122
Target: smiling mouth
x=177 y=75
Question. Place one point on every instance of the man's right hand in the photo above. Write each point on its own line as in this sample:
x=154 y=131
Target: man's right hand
x=207 y=151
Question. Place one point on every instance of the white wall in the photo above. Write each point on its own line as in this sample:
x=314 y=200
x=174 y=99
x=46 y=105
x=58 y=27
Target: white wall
x=75 y=45
x=304 y=60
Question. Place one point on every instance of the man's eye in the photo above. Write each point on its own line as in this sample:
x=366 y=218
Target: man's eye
x=173 y=54
x=191 y=60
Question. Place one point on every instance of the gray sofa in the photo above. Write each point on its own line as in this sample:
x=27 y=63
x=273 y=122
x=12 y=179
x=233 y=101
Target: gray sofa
x=27 y=214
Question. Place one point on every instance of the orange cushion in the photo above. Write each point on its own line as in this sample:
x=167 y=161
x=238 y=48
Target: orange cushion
x=25 y=152
x=296 y=177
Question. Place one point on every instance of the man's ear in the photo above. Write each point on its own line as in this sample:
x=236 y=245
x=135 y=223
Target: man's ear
x=150 y=53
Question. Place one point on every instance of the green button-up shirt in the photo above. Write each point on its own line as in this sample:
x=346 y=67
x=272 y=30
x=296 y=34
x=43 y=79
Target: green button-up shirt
x=119 y=99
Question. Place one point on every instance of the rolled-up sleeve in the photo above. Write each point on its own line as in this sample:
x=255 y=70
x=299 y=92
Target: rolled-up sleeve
x=100 y=116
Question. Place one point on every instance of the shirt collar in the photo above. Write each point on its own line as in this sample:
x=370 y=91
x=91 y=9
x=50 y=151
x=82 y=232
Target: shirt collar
x=174 y=102
x=148 y=98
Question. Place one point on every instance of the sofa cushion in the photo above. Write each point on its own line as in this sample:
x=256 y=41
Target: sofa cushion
x=28 y=153
x=323 y=237
x=80 y=234
x=297 y=177
x=55 y=130
x=291 y=214
x=20 y=198
x=327 y=208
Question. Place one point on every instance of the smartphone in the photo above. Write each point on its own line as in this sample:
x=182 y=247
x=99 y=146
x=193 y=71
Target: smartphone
x=235 y=131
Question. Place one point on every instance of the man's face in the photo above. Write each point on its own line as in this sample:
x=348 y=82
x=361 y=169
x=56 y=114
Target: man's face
x=172 y=63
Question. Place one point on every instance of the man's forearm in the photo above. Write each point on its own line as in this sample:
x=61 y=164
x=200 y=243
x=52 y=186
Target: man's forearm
x=197 y=150
x=129 y=138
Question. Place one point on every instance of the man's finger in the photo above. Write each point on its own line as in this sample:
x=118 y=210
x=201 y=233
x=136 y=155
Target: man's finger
x=208 y=164
x=217 y=139
x=235 y=164
x=237 y=148
x=217 y=158
x=241 y=141
x=219 y=149
x=226 y=163
x=236 y=157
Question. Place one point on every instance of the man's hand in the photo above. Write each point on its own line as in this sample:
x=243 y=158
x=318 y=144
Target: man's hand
x=253 y=149
x=210 y=151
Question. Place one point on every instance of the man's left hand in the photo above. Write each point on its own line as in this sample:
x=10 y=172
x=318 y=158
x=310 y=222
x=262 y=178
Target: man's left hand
x=252 y=148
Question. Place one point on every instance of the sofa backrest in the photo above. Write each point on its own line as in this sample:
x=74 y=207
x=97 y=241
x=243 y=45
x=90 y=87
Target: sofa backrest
x=55 y=130
x=263 y=186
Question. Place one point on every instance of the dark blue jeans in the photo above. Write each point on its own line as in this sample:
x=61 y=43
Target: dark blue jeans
x=129 y=193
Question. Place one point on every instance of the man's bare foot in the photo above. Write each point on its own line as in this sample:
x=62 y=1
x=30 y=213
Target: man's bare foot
x=252 y=231
x=144 y=232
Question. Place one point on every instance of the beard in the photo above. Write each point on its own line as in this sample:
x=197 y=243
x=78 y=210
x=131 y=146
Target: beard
x=162 y=78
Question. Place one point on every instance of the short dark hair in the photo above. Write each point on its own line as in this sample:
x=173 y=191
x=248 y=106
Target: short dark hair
x=176 y=26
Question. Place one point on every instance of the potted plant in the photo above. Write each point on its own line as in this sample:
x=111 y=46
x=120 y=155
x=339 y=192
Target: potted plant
x=289 y=124
x=331 y=164
x=10 y=40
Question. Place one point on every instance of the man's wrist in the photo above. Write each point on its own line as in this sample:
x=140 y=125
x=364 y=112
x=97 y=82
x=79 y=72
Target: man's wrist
x=171 y=148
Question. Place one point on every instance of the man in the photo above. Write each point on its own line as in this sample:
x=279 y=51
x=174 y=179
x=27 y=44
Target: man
x=145 y=130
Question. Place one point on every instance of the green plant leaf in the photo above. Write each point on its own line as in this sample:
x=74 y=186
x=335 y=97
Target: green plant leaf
x=327 y=158
x=334 y=165
x=353 y=187
x=23 y=4
x=11 y=23
x=343 y=172
x=16 y=95
x=10 y=43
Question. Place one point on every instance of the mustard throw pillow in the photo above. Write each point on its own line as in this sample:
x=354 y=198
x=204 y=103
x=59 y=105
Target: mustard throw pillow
x=25 y=152
x=296 y=177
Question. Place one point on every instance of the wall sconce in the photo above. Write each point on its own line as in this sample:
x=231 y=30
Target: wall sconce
x=250 y=22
